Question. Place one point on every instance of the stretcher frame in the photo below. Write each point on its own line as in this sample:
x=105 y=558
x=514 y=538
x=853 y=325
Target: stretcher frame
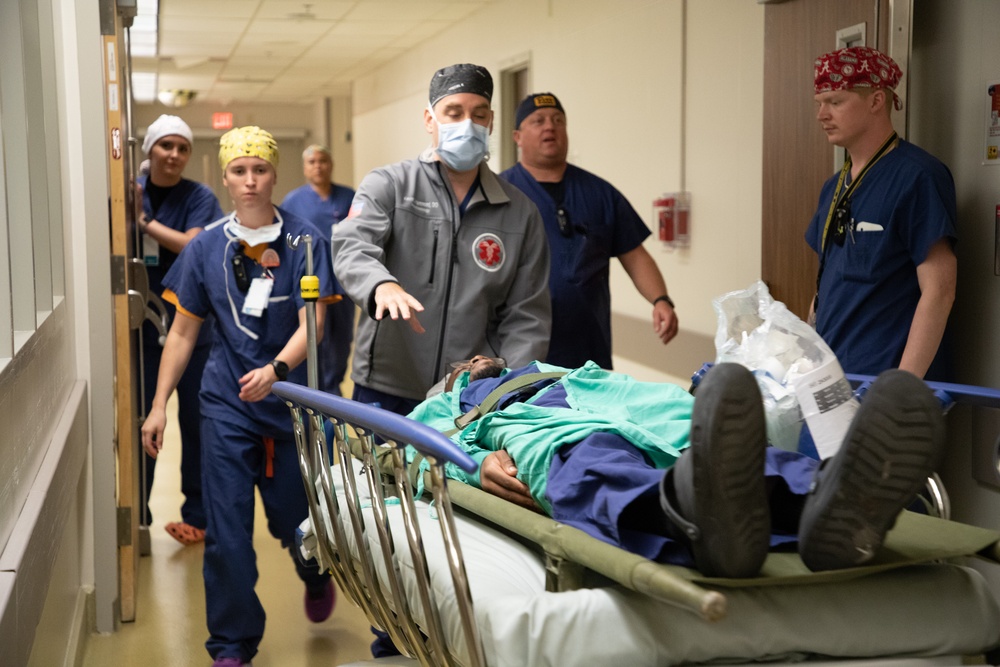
x=571 y=556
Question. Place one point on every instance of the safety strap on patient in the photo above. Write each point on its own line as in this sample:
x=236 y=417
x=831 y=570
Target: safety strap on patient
x=489 y=403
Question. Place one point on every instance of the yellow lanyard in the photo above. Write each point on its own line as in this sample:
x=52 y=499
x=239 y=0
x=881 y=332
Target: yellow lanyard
x=839 y=198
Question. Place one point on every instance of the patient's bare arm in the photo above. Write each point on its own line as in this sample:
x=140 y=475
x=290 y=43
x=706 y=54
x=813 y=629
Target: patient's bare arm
x=497 y=475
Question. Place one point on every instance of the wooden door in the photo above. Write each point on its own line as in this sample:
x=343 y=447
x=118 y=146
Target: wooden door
x=125 y=315
x=797 y=157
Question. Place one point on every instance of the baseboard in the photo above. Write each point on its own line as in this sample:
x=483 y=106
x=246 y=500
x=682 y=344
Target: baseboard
x=633 y=339
x=84 y=622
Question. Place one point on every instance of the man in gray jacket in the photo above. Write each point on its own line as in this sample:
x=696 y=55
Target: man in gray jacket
x=447 y=260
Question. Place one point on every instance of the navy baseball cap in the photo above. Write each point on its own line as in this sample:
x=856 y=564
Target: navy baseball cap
x=533 y=103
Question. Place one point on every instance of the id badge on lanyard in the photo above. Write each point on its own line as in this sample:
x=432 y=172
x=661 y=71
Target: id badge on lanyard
x=150 y=251
x=257 y=297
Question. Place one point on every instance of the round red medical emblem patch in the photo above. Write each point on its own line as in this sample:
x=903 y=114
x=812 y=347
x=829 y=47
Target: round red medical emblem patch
x=488 y=252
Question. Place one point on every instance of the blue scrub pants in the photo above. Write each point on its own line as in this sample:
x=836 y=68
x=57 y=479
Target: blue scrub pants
x=188 y=420
x=234 y=461
x=335 y=348
x=604 y=486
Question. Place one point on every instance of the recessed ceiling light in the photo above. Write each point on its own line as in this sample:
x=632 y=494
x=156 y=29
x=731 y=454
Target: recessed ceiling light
x=176 y=98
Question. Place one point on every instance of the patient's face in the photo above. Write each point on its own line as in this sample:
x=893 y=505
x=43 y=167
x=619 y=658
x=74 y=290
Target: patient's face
x=485 y=367
x=479 y=367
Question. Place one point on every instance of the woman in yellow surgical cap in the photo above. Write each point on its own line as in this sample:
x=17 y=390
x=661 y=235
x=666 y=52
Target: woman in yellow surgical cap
x=243 y=272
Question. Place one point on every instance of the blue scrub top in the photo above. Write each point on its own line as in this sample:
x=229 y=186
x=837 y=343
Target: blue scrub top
x=602 y=225
x=188 y=205
x=868 y=290
x=202 y=283
x=324 y=213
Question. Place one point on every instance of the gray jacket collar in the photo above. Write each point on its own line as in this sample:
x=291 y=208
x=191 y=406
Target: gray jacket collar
x=491 y=189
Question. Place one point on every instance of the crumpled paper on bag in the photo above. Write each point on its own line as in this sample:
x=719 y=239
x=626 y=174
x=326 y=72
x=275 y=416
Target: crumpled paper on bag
x=798 y=374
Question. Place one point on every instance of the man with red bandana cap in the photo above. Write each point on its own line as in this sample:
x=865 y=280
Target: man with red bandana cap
x=884 y=229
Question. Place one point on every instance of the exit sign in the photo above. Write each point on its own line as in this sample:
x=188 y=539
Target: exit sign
x=222 y=120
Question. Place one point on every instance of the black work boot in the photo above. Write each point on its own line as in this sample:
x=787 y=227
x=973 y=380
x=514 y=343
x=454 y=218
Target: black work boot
x=894 y=443
x=715 y=493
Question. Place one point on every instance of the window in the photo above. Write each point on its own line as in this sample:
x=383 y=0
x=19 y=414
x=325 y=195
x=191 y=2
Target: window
x=31 y=239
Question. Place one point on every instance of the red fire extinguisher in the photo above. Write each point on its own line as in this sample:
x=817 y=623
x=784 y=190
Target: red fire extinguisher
x=672 y=213
x=663 y=212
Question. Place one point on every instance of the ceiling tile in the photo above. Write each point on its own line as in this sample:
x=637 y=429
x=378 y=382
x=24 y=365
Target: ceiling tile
x=201 y=49
x=301 y=49
x=276 y=48
x=251 y=71
x=175 y=25
x=237 y=90
x=371 y=28
x=186 y=81
x=213 y=9
x=322 y=9
x=397 y=10
x=302 y=30
x=457 y=11
x=419 y=33
x=205 y=67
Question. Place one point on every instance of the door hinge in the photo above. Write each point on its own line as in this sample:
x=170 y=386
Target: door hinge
x=119 y=283
x=124 y=526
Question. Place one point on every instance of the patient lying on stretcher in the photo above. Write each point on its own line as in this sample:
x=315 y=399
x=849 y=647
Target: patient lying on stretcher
x=590 y=449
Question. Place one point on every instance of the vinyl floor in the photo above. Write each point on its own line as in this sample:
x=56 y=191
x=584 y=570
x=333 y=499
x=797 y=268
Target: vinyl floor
x=170 y=629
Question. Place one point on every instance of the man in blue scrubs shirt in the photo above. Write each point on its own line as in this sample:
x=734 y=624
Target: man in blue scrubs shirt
x=588 y=222
x=884 y=229
x=324 y=203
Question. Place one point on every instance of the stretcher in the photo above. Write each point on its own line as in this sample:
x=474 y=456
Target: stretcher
x=459 y=577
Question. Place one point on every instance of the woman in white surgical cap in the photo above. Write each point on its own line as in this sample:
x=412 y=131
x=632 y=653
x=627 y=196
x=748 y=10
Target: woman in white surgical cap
x=171 y=210
x=244 y=274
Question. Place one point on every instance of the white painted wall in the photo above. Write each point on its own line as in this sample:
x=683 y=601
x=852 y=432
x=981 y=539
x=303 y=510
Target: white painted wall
x=618 y=69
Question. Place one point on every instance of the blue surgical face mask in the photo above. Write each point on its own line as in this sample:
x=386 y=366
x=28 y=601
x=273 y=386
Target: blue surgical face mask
x=462 y=146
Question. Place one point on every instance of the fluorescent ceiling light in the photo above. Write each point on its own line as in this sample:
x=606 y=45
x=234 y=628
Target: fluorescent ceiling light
x=142 y=34
x=144 y=87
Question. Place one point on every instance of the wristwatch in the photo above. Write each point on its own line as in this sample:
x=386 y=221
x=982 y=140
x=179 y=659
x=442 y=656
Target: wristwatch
x=280 y=369
x=670 y=302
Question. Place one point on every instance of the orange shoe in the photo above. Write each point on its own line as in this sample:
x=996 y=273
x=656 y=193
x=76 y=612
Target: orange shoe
x=185 y=533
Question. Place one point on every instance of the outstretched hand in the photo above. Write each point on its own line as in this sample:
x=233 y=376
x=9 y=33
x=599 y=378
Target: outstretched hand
x=498 y=475
x=391 y=298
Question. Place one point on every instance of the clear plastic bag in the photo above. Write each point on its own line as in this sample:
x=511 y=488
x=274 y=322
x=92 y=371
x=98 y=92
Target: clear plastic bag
x=798 y=374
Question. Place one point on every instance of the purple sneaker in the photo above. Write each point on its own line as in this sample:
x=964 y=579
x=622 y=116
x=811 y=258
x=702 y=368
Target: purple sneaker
x=229 y=661
x=319 y=605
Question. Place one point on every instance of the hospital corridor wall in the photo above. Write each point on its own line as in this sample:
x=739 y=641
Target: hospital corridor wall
x=660 y=96
x=56 y=357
